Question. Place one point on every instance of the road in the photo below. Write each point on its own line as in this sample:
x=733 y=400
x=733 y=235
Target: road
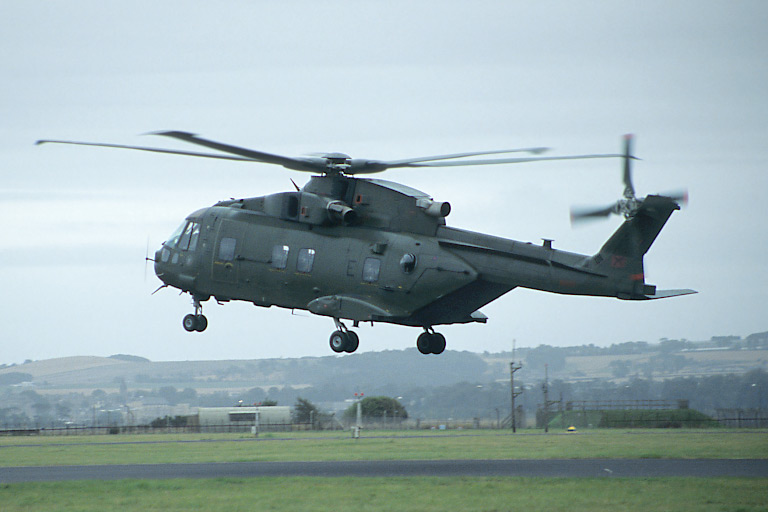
x=606 y=468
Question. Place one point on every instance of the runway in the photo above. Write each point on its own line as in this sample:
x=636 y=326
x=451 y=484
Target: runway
x=581 y=468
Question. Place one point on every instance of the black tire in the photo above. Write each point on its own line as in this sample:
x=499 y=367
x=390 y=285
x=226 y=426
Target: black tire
x=424 y=343
x=201 y=323
x=437 y=343
x=189 y=323
x=338 y=341
x=352 y=342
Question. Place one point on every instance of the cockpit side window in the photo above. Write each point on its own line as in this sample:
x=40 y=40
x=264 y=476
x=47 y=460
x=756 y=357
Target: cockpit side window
x=185 y=236
x=195 y=236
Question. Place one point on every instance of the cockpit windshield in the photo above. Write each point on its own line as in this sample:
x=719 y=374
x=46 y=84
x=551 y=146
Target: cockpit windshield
x=185 y=237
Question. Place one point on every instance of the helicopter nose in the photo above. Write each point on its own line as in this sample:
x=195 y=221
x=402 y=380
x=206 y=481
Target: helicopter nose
x=161 y=258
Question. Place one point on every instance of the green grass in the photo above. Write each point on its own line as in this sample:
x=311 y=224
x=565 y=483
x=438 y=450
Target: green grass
x=133 y=449
x=387 y=494
x=397 y=493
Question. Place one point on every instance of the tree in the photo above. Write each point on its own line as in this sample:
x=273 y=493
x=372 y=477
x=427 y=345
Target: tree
x=378 y=407
x=537 y=357
x=304 y=411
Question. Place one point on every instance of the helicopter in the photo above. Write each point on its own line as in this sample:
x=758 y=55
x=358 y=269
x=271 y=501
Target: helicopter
x=369 y=250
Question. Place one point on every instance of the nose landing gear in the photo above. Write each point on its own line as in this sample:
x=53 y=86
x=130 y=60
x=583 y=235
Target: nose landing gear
x=430 y=342
x=196 y=322
x=342 y=339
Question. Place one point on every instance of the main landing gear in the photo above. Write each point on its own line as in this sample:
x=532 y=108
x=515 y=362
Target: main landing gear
x=196 y=322
x=342 y=339
x=430 y=342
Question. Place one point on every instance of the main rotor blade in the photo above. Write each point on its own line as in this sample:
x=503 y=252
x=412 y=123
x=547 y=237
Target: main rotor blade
x=153 y=150
x=400 y=163
x=506 y=160
x=296 y=164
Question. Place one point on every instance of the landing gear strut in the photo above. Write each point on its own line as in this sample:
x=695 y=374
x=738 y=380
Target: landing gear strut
x=342 y=339
x=196 y=322
x=430 y=342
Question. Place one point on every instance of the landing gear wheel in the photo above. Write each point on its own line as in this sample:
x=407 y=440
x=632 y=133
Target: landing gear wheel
x=200 y=323
x=352 y=342
x=430 y=343
x=423 y=343
x=437 y=343
x=190 y=323
x=338 y=341
x=194 y=323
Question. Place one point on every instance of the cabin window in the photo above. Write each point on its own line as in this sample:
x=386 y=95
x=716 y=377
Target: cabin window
x=280 y=256
x=227 y=249
x=305 y=260
x=408 y=263
x=371 y=268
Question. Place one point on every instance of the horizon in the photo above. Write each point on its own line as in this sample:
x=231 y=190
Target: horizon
x=5 y=366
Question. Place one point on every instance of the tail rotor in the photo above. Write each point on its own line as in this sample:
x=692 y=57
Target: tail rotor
x=629 y=204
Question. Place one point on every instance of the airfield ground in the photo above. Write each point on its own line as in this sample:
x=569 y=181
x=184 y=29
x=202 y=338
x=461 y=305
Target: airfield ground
x=391 y=493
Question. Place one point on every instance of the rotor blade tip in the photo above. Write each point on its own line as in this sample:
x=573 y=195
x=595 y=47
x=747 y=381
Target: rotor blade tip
x=173 y=133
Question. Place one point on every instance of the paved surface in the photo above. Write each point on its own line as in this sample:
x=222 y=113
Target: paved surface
x=530 y=468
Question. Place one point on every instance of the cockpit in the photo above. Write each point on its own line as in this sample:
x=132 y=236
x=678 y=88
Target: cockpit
x=184 y=238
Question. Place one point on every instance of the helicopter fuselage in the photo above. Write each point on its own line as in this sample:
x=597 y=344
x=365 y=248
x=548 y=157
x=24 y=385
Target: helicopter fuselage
x=394 y=261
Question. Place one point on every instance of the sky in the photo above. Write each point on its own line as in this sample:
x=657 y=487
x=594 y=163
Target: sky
x=379 y=80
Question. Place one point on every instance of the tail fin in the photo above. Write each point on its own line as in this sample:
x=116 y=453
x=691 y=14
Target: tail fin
x=621 y=258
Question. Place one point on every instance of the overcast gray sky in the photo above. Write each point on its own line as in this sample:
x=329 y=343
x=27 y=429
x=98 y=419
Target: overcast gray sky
x=381 y=80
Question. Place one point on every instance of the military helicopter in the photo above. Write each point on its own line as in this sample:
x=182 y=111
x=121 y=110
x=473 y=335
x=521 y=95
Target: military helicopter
x=370 y=250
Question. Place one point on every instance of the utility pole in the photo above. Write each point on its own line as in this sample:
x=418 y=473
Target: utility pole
x=547 y=403
x=359 y=424
x=512 y=370
x=545 y=388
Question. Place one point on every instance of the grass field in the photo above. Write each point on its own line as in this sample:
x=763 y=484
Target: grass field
x=477 y=444
x=374 y=494
x=388 y=494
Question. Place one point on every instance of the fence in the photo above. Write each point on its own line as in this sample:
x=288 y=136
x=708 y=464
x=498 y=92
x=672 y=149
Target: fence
x=742 y=418
x=147 y=429
x=581 y=418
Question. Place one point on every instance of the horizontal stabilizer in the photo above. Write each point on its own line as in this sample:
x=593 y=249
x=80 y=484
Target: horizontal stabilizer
x=663 y=294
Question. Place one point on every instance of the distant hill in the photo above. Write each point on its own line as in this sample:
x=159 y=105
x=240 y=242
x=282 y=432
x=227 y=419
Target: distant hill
x=391 y=369
x=63 y=367
x=130 y=359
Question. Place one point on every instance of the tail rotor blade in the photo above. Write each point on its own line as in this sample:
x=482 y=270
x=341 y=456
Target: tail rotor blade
x=581 y=214
x=629 y=189
x=678 y=195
